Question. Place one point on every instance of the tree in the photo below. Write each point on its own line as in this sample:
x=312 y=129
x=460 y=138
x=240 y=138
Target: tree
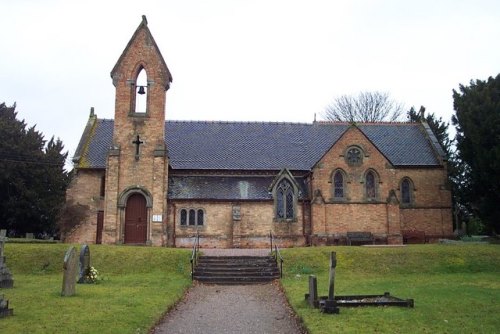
x=456 y=173
x=32 y=177
x=477 y=121
x=366 y=107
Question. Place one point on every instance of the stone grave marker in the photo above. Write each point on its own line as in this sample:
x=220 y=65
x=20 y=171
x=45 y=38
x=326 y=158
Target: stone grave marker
x=6 y=280
x=69 y=274
x=30 y=236
x=312 y=296
x=84 y=263
x=4 y=307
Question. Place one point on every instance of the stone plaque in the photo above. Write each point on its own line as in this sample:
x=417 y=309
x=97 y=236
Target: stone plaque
x=84 y=263
x=236 y=212
x=69 y=272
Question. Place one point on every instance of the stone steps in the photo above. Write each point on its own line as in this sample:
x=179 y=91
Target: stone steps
x=236 y=269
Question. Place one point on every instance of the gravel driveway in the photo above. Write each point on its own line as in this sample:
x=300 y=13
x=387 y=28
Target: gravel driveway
x=258 y=308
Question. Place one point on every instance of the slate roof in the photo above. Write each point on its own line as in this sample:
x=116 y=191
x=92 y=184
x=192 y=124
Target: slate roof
x=266 y=146
x=225 y=187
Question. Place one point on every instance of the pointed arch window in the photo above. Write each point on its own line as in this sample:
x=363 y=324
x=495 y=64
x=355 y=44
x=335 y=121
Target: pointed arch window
x=370 y=185
x=338 y=185
x=141 y=92
x=406 y=191
x=285 y=200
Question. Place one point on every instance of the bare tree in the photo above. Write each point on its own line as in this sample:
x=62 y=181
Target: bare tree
x=366 y=107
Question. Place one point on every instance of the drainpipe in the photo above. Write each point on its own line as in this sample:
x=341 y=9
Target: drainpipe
x=173 y=227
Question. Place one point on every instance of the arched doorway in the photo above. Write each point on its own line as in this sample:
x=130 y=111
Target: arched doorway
x=136 y=223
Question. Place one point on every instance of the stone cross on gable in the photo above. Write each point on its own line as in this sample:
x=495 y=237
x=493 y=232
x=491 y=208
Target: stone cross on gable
x=137 y=143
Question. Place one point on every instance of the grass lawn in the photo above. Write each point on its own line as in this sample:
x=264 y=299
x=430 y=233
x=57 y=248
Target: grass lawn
x=139 y=285
x=456 y=288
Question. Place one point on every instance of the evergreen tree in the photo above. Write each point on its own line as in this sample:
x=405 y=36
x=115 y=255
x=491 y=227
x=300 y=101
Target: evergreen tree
x=477 y=120
x=456 y=173
x=32 y=177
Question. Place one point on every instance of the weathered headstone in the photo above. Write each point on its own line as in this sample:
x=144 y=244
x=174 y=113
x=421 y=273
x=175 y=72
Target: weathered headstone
x=30 y=235
x=312 y=296
x=69 y=274
x=4 y=307
x=6 y=280
x=84 y=263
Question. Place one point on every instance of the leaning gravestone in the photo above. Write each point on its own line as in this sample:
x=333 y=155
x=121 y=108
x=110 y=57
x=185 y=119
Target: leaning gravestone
x=69 y=274
x=84 y=264
x=6 y=280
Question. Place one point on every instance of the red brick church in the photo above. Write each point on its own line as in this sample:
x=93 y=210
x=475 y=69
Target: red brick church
x=149 y=181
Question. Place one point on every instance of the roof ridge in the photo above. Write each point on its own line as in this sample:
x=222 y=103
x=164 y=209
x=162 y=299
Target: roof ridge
x=366 y=123
x=235 y=122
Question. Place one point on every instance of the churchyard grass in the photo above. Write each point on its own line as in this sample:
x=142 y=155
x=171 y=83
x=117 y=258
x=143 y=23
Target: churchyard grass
x=138 y=285
x=456 y=288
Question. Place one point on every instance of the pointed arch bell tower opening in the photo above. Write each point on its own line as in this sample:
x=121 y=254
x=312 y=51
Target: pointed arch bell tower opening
x=137 y=158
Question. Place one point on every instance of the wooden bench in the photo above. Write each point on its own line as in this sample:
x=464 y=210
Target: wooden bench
x=414 y=237
x=360 y=237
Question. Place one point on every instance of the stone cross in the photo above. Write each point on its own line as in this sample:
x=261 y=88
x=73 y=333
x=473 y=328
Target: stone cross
x=137 y=143
x=330 y=305
x=84 y=263
x=69 y=274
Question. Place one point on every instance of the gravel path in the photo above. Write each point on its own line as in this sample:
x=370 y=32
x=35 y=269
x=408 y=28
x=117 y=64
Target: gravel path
x=246 y=309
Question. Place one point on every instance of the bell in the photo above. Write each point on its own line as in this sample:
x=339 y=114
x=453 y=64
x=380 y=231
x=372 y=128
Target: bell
x=141 y=90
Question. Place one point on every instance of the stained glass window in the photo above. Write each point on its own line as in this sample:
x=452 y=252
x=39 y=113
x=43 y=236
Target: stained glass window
x=200 y=217
x=338 y=185
x=285 y=200
x=192 y=217
x=405 y=191
x=183 y=217
x=370 y=185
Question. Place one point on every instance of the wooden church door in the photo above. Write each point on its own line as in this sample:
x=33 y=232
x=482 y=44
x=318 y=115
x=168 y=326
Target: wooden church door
x=136 y=220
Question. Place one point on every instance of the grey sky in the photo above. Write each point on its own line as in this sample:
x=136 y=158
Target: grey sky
x=243 y=60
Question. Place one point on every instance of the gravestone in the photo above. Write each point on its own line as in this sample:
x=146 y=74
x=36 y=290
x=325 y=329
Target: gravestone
x=69 y=274
x=84 y=263
x=312 y=296
x=4 y=307
x=6 y=280
x=30 y=236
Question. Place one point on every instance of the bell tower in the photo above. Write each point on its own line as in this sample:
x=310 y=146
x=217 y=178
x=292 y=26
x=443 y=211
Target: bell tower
x=137 y=165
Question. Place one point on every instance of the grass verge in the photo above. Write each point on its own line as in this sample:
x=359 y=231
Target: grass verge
x=139 y=284
x=456 y=288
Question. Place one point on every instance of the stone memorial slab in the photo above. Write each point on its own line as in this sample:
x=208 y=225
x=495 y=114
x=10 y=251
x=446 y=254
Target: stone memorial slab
x=69 y=272
x=84 y=264
x=30 y=236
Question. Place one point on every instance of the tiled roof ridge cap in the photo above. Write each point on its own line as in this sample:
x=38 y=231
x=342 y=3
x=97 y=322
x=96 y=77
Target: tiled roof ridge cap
x=236 y=122
x=369 y=123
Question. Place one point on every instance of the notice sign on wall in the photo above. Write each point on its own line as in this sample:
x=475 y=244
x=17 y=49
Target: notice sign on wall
x=157 y=218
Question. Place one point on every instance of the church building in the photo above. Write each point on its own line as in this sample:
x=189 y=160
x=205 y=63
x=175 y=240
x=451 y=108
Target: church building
x=146 y=180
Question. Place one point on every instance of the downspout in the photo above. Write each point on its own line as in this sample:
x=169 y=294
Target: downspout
x=173 y=227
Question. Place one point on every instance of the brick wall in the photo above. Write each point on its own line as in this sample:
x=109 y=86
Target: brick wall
x=146 y=172
x=85 y=190
x=220 y=231
x=429 y=211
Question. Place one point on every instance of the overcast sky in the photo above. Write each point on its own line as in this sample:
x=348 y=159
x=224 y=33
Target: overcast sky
x=243 y=60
